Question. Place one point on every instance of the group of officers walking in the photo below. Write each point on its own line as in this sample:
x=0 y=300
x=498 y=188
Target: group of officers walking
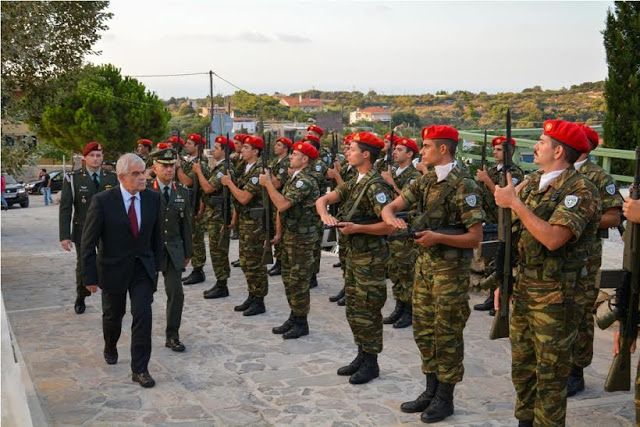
x=557 y=212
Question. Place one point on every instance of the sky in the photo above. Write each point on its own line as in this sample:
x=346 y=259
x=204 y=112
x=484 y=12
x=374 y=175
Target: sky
x=391 y=47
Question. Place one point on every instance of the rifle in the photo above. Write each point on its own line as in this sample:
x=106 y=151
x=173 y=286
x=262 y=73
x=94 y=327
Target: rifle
x=196 y=184
x=333 y=209
x=483 y=161
x=504 y=267
x=226 y=196
x=624 y=303
x=267 y=255
x=389 y=156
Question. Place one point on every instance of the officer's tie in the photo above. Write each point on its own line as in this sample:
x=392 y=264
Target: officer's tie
x=166 y=194
x=95 y=180
x=133 y=218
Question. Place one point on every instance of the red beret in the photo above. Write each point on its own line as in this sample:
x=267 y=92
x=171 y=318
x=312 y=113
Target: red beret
x=91 y=146
x=348 y=138
x=316 y=129
x=568 y=133
x=146 y=142
x=407 y=142
x=174 y=140
x=440 y=132
x=254 y=141
x=498 y=140
x=162 y=146
x=388 y=137
x=306 y=149
x=224 y=141
x=196 y=138
x=369 y=139
x=240 y=137
x=592 y=135
x=285 y=141
x=311 y=138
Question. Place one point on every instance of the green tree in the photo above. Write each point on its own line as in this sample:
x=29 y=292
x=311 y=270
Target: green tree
x=407 y=118
x=622 y=87
x=108 y=108
x=42 y=41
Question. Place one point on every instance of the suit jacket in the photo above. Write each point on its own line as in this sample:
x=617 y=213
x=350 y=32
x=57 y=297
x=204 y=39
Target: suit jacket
x=75 y=201
x=176 y=225
x=107 y=226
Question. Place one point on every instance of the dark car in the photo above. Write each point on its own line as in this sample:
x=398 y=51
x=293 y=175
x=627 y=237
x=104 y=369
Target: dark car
x=15 y=192
x=57 y=177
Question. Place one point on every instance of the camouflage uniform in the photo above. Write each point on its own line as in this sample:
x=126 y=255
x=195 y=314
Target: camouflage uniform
x=587 y=292
x=77 y=190
x=441 y=287
x=325 y=157
x=252 y=234
x=218 y=241
x=318 y=170
x=545 y=318
x=347 y=172
x=488 y=201
x=238 y=161
x=401 y=265
x=382 y=164
x=366 y=260
x=200 y=225
x=279 y=170
x=299 y=240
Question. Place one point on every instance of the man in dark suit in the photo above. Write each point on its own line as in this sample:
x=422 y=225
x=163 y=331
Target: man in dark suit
x=124 y=223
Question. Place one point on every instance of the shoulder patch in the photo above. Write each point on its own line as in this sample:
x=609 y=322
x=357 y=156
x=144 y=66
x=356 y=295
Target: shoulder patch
x=219 y=174
x=381 y=198
x=299 y=183
x=471 y=200
x=570 y=201
x=411 y=181
x=281 y=171
x=318 y=168
x=515 y=181
x=611 y=189
x=254 y=180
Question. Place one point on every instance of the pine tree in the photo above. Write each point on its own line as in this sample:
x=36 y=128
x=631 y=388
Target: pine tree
x=622 y=87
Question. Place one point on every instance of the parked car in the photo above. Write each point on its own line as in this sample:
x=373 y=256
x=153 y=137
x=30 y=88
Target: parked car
x=57 y=177
x=15 y=192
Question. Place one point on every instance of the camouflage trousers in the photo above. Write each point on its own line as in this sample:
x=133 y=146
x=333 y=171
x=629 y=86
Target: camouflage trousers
x=199 y=250
x=219 y=246
x=401 y=268
x=297 y=264
x=317 y=249
x=342 y=251
x=251 y=238
x=586 y=295
x=541 y=340
x=365 y=295
x=440 y=313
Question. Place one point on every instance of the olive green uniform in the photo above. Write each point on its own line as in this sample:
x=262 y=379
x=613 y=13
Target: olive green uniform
x=318 y=170
x=77 y=190
x=488 y=200
x=279 y=168
x=545 y=316
x=200 y=225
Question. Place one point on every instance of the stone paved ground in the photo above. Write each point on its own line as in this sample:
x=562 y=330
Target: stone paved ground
x=235 y=372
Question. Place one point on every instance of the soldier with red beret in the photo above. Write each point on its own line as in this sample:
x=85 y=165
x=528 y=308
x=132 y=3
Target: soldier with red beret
x=363 y=198
x=556 y=216
x=77 y=190
x=386 y=156
x=144 y=148
x=446 y=198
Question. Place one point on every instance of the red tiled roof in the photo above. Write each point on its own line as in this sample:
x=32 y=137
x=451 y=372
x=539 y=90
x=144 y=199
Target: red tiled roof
x=375 y=110
x=294 y=101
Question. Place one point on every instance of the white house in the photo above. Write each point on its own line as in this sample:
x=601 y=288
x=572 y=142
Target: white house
x=370 y=114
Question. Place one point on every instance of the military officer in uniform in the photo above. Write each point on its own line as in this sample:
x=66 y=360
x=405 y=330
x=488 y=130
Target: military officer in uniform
x=77 y=189
x=247 y=195
x=176 y=237
x=367 y=253
x=557 y=215
x=611 y=207
x=403 y=251
x=297 y=219
x=446 y=197
x=184 y=170
x=279 y=167
x=487 y=180
x=216 y=228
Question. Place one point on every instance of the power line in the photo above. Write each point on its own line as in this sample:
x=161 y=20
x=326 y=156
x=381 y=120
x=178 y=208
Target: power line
x=171 y=75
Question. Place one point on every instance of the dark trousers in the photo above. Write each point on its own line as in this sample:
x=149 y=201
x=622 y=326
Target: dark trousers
x=81 y=289
x=175 y=299
x=113 y=308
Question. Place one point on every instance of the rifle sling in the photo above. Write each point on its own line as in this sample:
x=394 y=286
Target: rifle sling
x=365 y=186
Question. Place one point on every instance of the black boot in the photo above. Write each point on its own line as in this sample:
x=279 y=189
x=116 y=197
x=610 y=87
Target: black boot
x=313 y=282
x=405 y=318
x=395 y=314
x=487 y=304
x=196 y=276
x=337 y=265
x=423 y=401
x=338 y=296
x=244 y=305
x=353 y=367
x=256 y=307
x=234 y=234
x=368 y=370
x=441 y=406
x=236 y=263
x=575 y=383
x=288 y=324
x=300 y=328
x=219 y=290
x=276 y=269
x=527 y=423
x=342 y=302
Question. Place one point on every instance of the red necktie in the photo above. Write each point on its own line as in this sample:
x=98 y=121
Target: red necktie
x=133 y=218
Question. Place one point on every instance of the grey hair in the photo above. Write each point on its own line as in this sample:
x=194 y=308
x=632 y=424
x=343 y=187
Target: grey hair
x=126 y=161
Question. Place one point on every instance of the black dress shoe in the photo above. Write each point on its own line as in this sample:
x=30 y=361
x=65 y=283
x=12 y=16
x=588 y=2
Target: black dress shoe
x=111 y=356
x=197 y=276
x=175 y=345
x=236 y=263
x=79 y=306
x=144 y=379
